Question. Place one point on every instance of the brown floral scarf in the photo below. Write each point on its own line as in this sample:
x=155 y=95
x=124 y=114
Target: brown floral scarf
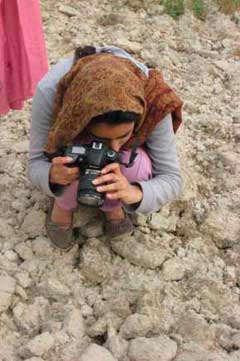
x=101 y=83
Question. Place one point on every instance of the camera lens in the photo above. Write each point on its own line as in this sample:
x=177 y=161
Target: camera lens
x=90 y=199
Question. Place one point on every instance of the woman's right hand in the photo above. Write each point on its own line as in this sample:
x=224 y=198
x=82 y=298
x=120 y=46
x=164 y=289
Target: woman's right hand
x=61 y=174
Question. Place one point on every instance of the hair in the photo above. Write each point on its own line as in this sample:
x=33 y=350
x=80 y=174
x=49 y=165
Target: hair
x=80 y=52
x=116 y=117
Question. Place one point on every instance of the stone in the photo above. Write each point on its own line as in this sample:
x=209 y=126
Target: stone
x=38 y=345
x=55 y=289
x=160 y=348
x=7 y=284
x=27 y=318
x=42 y=247
x=136 y=325
x=173 y=269
x=95 y=261
x=163 y=222
x=7 y=290
x=74 y=323
x=223 y=227
x=96 y=353
x=138 y=253
x=23 y=279
x=193 y=352
x=193 y=327
x=34 y=223
x=68 y=10
x=116 y=344
x=22 y=146
x=24 y=250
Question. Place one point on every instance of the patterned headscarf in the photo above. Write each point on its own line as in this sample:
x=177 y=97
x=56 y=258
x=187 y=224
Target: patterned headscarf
x=102 y=83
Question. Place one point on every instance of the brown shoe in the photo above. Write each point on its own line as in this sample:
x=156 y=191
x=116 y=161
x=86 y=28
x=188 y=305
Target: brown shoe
x=61 y=238
x=118 y=228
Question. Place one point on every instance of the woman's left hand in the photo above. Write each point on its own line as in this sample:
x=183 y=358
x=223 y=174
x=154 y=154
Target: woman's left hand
x=118 y=187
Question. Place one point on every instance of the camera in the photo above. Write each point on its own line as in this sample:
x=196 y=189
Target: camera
x=90 y=159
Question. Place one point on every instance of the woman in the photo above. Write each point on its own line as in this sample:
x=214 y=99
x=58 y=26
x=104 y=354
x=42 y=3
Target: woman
x=104 y=93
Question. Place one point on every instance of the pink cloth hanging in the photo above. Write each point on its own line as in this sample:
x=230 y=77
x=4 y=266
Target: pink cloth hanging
x=23 y=58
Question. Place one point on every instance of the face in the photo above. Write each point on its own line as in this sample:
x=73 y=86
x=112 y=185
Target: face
x=114 y=136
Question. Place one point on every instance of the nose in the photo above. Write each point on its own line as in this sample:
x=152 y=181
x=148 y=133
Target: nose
x=114 y=145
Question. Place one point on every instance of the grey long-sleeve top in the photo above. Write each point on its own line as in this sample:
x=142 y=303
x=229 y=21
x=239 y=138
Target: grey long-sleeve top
x=161 y=145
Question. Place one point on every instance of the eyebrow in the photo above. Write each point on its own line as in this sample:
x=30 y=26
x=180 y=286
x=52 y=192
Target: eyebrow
x=120 y=137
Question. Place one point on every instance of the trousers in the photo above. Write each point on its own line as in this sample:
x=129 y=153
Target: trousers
x=140 y=171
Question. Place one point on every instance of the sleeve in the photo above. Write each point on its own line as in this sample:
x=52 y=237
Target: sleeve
x=38 y=164
x=166 y=182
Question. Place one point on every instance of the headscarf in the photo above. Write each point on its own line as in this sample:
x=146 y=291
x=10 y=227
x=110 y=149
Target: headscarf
x=102 y=83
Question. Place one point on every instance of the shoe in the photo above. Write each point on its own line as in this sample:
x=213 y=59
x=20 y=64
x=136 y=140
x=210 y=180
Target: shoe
x=118 y=228
x=61 y=238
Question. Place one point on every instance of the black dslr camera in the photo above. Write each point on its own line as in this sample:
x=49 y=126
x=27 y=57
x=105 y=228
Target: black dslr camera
x=91 y=159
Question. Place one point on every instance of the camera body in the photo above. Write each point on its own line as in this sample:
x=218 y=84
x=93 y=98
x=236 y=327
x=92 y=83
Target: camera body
x=90 y=159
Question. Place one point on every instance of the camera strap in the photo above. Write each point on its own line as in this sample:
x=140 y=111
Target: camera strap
x=133 y=154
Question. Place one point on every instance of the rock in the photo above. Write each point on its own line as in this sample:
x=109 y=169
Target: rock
x=68 y=10
x=131 y=46
x=116 y=344
x=193 y=327
x=11 y=256
x=38 y=345
x=223 y=227
x=162 y=222
x=139 y=219
x=173 y=269
x=96 y=353
x=228 y=338
x=7 y=284
x=160 y=348
x=7 y=290
x=27 y=318
x=74 y=323
x=42 y=247
x=233 y=321
x=55 y=289
x=33 y=223
x=95 y=261
x=194 y=352
x=23 y=279
x=22 y=146
x=138 y=253
x=24 y=250
x=98 y=328
x=136 y=325
x=86 y=311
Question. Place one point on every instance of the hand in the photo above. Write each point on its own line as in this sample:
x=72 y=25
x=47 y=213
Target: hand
x=118 y=187
x=61 y=174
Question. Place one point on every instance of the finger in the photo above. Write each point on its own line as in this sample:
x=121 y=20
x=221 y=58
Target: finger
x=61 y=160
x=110 y=187
x=111 y=177
x=113 y=167
x=71 y=171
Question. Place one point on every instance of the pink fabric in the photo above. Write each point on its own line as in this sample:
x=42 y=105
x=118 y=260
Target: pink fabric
x=141 y=170
x=23 y=58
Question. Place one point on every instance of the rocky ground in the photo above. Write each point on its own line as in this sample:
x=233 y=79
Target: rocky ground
x=170 y=292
